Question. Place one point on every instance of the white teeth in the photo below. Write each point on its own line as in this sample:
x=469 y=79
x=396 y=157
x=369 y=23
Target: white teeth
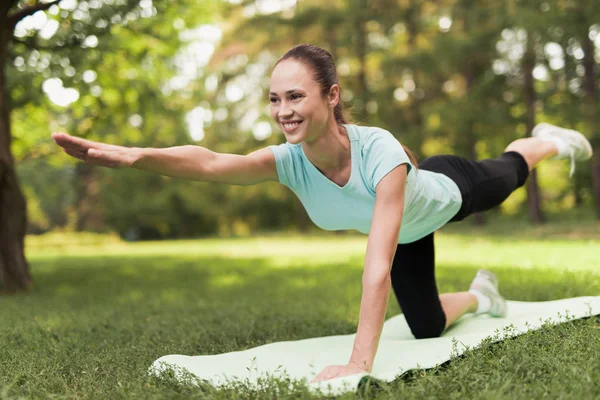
x=292 y=125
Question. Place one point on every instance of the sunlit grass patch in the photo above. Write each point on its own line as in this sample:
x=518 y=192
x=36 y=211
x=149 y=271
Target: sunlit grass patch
x=101 y=313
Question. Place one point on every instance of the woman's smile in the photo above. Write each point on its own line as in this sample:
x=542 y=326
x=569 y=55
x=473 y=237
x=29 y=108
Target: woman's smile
x=290 y=126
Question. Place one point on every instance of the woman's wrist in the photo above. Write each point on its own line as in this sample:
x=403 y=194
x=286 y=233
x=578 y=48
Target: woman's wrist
x=362 y=363
x=137 y=156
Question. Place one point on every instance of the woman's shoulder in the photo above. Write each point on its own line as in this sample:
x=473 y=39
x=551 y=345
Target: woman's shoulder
x=286 y=148
x=287 y=152
x=367 y=135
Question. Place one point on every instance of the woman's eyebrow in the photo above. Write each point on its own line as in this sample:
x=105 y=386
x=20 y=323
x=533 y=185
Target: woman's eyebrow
x=288 y=92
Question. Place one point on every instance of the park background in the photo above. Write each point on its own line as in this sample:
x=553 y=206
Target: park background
x=458 y=77
x=119 y=266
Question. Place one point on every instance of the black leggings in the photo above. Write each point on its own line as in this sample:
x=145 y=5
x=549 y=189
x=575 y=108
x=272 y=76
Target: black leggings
x=483 y=185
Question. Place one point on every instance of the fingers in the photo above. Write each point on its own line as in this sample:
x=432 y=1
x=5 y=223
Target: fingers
x=328 y=373
x=71 y=142
x=322 y=377
x=75 y=153
x=104 y=158
x=96 y=157
x=105 y=155
x=75 y=143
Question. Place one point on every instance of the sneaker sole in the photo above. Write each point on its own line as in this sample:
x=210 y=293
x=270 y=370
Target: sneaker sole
x=488 y=286
x=565 y=132
x=499 y=300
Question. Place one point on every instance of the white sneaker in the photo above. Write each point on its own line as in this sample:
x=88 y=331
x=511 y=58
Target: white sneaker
x=486 y=283
x=571 y=144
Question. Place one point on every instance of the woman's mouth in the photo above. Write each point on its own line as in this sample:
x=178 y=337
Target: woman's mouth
x=291 y=126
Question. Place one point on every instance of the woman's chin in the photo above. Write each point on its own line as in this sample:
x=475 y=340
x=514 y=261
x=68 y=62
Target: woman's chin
x=293 y=138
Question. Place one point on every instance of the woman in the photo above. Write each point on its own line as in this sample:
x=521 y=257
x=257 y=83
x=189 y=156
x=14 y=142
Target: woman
x=358 y=177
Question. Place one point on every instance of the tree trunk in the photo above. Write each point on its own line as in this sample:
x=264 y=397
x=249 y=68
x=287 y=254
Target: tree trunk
x=14 y=271
x=591 y=113
x=469 y=72
x=361 y=53
x=533 y=191
x=86 y=199
x=571 y=118
x=415 y=117
x=471 y=140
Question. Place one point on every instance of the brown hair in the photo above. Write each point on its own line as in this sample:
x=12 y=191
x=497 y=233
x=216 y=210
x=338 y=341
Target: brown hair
x=320 y=62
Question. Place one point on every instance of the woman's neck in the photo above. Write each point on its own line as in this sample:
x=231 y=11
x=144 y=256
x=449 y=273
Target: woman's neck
x=331 y=151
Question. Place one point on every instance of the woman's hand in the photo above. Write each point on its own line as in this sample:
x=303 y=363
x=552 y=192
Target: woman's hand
x=105 y=155
x=336 y=371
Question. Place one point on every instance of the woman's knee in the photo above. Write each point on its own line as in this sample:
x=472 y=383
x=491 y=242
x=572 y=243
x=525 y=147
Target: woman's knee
x=518 y=145
x=427 y=332
x=430 y=323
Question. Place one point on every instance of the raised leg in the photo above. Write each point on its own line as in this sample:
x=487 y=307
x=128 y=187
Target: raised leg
x=533 y=150
x=550 y=140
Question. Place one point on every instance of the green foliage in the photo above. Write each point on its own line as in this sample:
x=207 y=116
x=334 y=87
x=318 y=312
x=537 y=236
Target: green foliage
x=433 y=71
x=131 y=65
x=444 y=77
x=103 y=310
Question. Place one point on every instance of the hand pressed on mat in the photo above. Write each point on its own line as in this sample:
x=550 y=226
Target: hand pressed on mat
x=336 y=371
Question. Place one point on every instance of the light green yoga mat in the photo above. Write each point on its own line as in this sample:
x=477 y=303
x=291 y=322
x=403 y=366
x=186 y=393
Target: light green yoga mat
x=398 y=350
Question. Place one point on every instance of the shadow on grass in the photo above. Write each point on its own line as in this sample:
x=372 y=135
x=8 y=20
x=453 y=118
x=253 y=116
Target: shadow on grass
x=92 y=327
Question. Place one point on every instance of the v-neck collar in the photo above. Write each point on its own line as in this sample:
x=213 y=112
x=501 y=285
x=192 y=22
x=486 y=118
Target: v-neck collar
x=352 y=156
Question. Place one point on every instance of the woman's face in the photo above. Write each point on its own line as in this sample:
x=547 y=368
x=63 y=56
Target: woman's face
x=297 y=105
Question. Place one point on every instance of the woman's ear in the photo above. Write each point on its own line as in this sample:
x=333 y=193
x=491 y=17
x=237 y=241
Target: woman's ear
x=334 y=95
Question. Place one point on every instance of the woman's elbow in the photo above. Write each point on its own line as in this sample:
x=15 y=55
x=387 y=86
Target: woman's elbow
x=376 y=280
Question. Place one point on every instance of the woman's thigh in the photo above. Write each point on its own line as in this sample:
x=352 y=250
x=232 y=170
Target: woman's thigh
x=483 y=184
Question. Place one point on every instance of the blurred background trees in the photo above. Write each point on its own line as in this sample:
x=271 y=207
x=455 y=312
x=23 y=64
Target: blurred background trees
x=450 y=76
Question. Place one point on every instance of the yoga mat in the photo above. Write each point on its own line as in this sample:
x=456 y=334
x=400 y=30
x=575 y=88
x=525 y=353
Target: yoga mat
x=398 y=350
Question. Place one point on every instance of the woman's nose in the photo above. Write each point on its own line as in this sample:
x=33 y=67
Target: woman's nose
x=285 y=111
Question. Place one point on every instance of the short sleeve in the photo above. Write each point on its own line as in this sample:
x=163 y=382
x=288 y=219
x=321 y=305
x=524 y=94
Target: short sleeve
x=284 y=163
x=382 y=153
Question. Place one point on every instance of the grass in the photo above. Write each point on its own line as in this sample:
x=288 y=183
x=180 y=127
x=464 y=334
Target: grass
x=103 y=310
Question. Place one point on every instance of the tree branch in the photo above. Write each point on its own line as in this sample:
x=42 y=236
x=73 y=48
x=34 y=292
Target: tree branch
x=32 y=44
x=15 y=17
x=29 y=43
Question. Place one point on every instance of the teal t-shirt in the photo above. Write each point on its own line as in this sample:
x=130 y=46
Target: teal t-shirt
x=430 y=200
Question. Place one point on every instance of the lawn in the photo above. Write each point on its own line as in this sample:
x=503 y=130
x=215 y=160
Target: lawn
x=103 y=310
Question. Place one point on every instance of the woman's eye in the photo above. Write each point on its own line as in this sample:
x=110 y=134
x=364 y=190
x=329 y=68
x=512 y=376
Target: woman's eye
x=273 y=100
x=295 y=96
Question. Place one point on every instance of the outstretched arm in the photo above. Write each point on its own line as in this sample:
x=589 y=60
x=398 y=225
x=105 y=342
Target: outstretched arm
x=186 y=162
x=376 y=283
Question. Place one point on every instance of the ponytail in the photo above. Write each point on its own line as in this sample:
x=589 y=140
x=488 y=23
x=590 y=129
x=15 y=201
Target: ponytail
x=411 y=156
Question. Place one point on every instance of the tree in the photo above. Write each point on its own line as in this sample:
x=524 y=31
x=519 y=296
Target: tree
x=529 y=95
x=583 y=21
x=30 y=59
x=14 y=271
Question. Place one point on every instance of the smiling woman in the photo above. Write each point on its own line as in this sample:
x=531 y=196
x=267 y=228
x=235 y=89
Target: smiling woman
x=320 y=68
x=360 y=177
